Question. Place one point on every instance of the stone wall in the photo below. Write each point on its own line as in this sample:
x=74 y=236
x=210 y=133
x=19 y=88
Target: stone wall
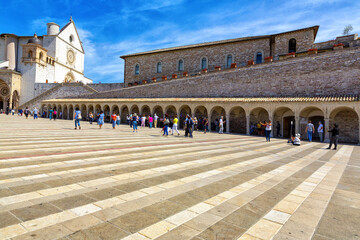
x=348 y=123
x=42 y=87
x=330 y=73
x=100 y=87
x=241 y=51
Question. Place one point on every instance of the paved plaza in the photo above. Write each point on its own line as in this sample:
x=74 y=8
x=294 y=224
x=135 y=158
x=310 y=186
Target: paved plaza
x=61 y=183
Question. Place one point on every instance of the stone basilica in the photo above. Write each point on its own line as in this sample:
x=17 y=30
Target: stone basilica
x=30 y=65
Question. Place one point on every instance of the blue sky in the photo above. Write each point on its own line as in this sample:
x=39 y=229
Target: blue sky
x=110 y=28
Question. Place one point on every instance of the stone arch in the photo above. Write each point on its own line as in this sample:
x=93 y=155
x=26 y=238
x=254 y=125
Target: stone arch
x=4 y=94
x=216 y=113
x=97 y=109
x=348 y=122
x=200 y=112
x=145 y=110
x=65 y=112
x=71 y=112
x=91 y=109
x=115 y=108
x=59 y=110
x=107 y=113
x=183 y=111
x=259 y=114
x=15 y=99
x=84 y=113
x=69 y=78
x=286 y=117
x=135 y=109
x=171 y=111
x=158 y=110
x=124 y=113
x=237 y=120
x=313 y=114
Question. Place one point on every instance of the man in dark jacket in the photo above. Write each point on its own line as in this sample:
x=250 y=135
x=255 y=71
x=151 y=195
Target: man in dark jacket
x=188 y=126
x=334 y=136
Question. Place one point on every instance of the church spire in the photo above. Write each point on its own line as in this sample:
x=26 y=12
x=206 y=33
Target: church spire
x=71 y=18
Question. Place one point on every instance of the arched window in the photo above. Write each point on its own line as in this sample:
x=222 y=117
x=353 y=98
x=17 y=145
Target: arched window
x=30 y=54
x=292 y=45
x=71 y=38
x=158 y=67
x=41 y=56
x=258 y=57
x=229 y=60
x=203 y=63
x=137 y=69
x=181 y=65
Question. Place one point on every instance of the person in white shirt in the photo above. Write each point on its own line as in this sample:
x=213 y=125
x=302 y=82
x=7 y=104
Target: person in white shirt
x=320 y=130
x=35 y=111
x=221 y=125
x=155 y=120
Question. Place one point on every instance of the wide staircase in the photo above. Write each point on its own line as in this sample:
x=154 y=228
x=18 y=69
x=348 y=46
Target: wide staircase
x=61 y=183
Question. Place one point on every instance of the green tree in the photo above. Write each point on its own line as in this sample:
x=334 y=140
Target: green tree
x=347 y=29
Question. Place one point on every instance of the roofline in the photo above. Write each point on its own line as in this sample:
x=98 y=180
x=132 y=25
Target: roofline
x=315 y=28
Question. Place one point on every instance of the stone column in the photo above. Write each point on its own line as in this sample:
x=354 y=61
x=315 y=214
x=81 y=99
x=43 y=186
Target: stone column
x=272 y=127
x=227 y=123
x=297 y=124
x=209 y=118
x=247 y=124
x=359 y=133
x=326 y=130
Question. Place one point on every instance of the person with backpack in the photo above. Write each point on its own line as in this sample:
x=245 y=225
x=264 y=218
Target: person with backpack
x=188 y=126
x=166 y=125
x=77 y=117
x=334 y=137
x=26 y=112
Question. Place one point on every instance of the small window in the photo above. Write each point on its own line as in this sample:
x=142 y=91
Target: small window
x=292 y=45
x=30 y=54
x=137 y=69
x=203 y=63
x=229 y=60
x=41 y=56
x=181 y=65
x=258 y=58
x=71 y=39
x=158 y=67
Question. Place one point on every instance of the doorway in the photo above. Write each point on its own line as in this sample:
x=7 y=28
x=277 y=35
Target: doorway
x=288 y=127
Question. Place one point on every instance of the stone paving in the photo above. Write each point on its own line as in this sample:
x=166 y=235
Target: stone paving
x=61 y=183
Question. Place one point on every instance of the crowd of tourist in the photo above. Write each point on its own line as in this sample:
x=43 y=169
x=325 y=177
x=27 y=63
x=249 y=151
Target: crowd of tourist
x=171 y=124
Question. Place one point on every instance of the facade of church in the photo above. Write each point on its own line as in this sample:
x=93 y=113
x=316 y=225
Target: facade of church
x=31 y=63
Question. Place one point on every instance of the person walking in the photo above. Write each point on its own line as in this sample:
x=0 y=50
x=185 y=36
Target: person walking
x=334 y=136
x=134 y=122
x=143 y=118
x=118 y=119
x=113 y=120
x=166 y=125
x=26 y=112
x=175 y=125
x=221 y=125
x=188 y=126
x=128 y=119
x=54 y=113
x=101 y=117
x=310 y=129
x=151 y=120
x=320 y=131
x=131 y=120
x=268 y=126
x=155 y=120
x=35 y=111
x=91 y=117
x=206 y=125
x=50 y=113
x=77 y=117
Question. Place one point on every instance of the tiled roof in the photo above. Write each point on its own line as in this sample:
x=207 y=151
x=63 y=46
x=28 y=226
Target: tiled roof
x=315 y=28
x=339 y=98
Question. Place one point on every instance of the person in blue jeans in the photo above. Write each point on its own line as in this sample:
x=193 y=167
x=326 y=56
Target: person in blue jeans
x=134 y=122
x=77 y=117
x=166 y=125
x=310 y=129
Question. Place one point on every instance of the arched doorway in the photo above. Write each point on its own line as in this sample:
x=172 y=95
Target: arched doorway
x=160 y=113
x=135 y=109
x=170 y=111
x=200 y=113
x=91 y=109
x=216 y=113
x=71 y=112
x=124 y=113
x=348 y=122
x=15 y=99
x=115 y=108
x=237 y=120
x=4 y=95
x=286 y=118
x=59 y=110
x=65 y=112
x=84 y=113
x=97 y=109
x=145 y=110
x=313 y=114
x=257 y=115
x=107 y=113
x=184 y=111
